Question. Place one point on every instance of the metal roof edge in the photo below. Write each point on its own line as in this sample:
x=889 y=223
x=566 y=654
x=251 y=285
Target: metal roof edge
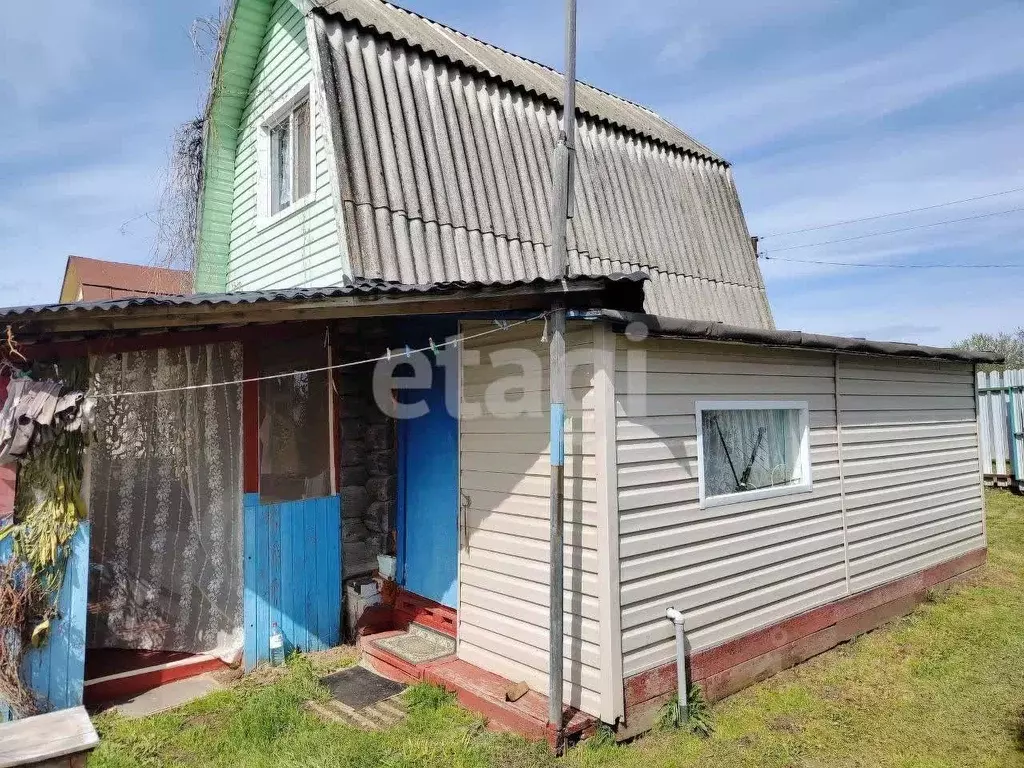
x=702 y=330
x=368 y=289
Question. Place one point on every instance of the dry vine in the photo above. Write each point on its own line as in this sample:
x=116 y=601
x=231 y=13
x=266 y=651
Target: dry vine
x=23 y=603
x=176 y=242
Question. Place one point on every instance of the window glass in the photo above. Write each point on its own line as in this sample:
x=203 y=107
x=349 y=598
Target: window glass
x=280 y=166
x=752 y=449
x=294 y=422
x=303 y=155
x=291 y=157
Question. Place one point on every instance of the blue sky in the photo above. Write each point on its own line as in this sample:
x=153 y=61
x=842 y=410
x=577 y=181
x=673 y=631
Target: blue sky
x=829 y=110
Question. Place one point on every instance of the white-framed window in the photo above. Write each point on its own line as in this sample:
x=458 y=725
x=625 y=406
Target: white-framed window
x=750 y=450
x=287 y=162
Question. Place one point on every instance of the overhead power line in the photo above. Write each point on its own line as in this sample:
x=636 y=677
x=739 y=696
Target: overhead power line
x=892 y=214
x=893 y=266
x=894 y=231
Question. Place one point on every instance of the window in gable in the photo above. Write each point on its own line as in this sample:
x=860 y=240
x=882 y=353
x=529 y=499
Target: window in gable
x=288 y=155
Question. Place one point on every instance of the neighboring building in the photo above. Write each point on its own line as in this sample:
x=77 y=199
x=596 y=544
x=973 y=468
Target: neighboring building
x=97 y=280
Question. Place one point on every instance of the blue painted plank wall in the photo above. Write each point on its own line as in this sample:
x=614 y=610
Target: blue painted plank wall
x=56 y=672
x=292 y=575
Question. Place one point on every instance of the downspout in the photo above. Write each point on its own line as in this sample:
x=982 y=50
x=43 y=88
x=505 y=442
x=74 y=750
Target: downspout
x=683 y=705
x=560 y=213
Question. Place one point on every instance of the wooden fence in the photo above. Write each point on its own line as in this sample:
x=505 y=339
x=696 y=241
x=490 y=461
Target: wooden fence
x=1001 y=427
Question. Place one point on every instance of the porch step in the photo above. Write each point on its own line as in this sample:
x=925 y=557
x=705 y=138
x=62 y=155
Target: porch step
x=484 y=692
x=476 y=689
x=419 y=645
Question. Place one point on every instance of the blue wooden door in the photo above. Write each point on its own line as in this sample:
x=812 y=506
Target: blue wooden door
x=428 y=494
x=292 y=575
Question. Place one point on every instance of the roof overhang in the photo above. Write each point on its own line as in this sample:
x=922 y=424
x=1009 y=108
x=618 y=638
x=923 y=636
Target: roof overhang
x=154 y=314
x=700 y=330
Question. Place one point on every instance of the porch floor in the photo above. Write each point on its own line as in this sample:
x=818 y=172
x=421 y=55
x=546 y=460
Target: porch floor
x=478 y=690
x=116 y=675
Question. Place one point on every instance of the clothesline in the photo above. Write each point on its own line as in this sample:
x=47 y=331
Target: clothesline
x=389 y=355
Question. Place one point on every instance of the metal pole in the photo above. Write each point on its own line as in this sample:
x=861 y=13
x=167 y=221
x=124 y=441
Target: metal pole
x=560 y=213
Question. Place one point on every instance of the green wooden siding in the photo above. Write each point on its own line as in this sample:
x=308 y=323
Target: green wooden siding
x=303 y=248
x=248 y=29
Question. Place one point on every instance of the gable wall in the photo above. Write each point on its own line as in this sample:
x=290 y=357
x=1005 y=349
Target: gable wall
x=303 y=249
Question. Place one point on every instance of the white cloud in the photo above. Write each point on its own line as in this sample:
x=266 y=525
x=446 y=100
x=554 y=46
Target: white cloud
x=916 y=306
x=845 y=83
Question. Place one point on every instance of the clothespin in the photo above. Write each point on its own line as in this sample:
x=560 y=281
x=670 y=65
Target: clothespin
x=433 y=346
x=407 y=350
x=544 y=336
x=388 y=353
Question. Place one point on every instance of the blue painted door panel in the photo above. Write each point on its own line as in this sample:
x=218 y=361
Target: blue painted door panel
x=56 y=672
x=428 y=492
x=292 y=575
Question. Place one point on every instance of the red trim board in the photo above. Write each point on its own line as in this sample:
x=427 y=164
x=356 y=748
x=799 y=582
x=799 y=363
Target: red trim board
x=123 y=685
x=734 y=665
x=478 y=690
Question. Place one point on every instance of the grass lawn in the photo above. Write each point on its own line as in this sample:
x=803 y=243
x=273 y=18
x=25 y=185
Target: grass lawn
x=942 y=687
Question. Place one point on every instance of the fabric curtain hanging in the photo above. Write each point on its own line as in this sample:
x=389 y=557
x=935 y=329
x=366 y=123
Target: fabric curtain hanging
x=750 y=448
x=165 y=503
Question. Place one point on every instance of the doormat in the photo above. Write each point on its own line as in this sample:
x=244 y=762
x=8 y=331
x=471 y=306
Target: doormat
x=358 y=687
x=419 y=645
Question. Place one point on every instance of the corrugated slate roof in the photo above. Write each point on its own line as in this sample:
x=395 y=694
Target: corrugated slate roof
x=467 y=52
x=445 y=174
x=369 y=289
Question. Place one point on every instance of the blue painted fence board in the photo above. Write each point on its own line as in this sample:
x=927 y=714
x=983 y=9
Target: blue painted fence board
x=292 y=575
x=56 y=672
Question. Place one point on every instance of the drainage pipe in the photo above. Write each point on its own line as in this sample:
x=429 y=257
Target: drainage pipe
x=682 y=707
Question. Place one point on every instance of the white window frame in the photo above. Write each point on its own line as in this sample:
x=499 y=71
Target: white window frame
x=804 y=460
x=277 y=114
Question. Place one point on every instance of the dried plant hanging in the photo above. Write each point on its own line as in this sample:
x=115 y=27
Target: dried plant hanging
x=23 y=605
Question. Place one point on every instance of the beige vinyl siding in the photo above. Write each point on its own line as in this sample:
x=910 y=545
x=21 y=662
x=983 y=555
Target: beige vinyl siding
x=730 y=569
x=301 y=249
x=905 y=496
x=504 y=488
x=910 y=460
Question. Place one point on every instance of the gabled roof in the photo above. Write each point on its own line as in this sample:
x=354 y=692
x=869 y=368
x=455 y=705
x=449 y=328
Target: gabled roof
x=443 y=147
x=467 y=52
x=97 y=280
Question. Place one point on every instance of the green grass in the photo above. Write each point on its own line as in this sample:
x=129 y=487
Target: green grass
x=941 y=687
